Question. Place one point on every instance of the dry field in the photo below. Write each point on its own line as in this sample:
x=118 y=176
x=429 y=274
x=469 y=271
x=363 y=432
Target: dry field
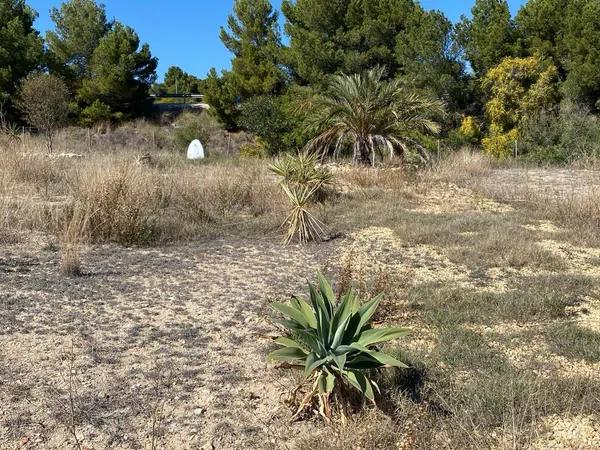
x=134 y=304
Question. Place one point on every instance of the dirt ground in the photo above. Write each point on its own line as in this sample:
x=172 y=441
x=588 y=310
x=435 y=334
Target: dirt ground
x=165 y=347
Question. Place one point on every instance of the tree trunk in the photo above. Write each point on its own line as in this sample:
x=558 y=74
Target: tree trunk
x=362 y=153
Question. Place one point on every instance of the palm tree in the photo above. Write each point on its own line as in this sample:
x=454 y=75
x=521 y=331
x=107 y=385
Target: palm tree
x=372 y=115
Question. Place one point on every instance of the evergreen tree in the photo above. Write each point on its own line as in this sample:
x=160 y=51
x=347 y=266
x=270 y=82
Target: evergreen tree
x=318 y=33
x=252 y=36
x=541 y=27
x=120 y=72
x=581 y=52
x=356 y=35
x=179 y=82
x=488 y=36
x=79 y=27
x=20 y=50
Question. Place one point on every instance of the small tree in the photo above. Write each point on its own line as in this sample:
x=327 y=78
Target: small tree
x=44 y=100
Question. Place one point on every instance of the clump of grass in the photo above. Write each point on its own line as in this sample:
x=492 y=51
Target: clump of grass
x=122 y=202
x=462 y=167
x=535 y=299
x=70 y=245
x=572 y=341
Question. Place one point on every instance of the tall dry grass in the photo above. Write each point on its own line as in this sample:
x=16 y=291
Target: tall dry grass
x=130 y=203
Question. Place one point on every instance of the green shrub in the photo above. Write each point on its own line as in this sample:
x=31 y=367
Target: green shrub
x=190 y=126
x=333 y=340
x=570 y=134
x=257 y=149
x=97 y=112
x=265 y=117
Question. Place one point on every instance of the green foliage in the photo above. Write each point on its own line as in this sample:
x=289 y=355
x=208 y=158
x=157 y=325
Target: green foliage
x=582 y=54
x=329 y=37
x=20 y=48
x=252 y=36
x=256 y=149
x=178 y=82
x=265 y=117
x=302 y=169
x=120 y=72
x=79 y=27
x=44 y=100
x=97 y=112
x=304 y=182
x=518 y=88
x=567 y=32
x=370 y=114
x=488 y=36
x=190 y=126
x=335 y=343
x=570 y=135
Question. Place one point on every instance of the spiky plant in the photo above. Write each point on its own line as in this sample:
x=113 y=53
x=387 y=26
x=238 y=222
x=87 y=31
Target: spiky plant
x=370 y=114
x=304 y=181
x=301 y=223
x=302 y=169
x=335 y=343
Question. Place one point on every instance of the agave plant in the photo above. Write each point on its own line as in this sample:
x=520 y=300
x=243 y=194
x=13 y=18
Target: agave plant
x=335 y=343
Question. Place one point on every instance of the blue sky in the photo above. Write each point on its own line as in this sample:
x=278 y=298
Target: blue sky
x=185 y=33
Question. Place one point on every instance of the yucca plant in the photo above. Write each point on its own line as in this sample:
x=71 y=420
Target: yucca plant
x=301 y=223
x=302 y=169
x=303 y=182
x=335 y=343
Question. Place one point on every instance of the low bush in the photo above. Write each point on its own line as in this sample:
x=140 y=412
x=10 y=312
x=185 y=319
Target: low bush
x=190 y=126
x=569 y=135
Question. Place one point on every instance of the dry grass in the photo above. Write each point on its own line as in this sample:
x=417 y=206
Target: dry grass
x=475 y=281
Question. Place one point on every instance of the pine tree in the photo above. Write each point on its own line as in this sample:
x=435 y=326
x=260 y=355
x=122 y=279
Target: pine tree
x=120 y=72
x=252 y=36
x=20 y=50
x=79 y=27
x=488 y=36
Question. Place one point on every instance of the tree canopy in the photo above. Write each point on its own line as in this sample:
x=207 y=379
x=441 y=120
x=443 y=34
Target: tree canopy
x=20 y=48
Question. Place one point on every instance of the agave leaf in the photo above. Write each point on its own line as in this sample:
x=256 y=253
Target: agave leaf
x=289 y=324
x=339 y=334
x=381 y=357
x=378 y=335
x=287 y=342
x=287 y=354
x=326 y=382
x=293 y=313
x=340 y=361
x=363 y=362
x=360 y=382
x=327 y=292
x=367 y=311
x=316 y=299
x=310 y=339
x=303 y=306
x=345 y=308
x=312 y=362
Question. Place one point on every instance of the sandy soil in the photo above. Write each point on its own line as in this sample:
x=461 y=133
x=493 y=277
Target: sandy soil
x=169 y=344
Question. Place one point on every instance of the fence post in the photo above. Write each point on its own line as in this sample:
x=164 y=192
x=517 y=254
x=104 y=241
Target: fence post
x=516 y=149
x=438 y=150
x=23 y=139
